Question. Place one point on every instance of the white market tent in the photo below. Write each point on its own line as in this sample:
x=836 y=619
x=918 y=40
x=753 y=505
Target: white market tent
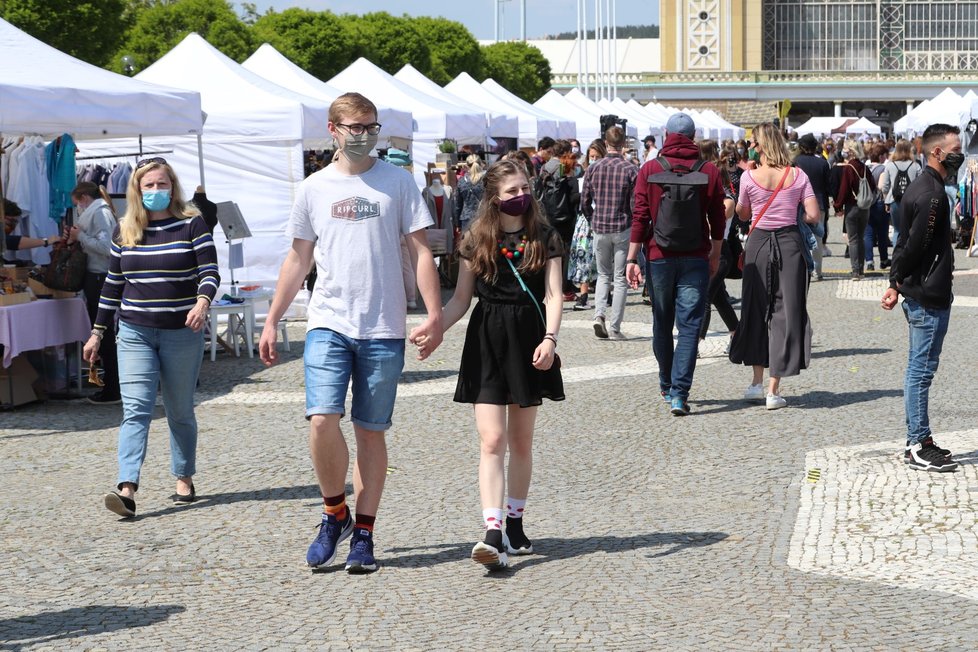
x=275 y=67
x=434 y=120
x=46 y=92
x=640 y=121
x=948 y=107
x=588 y=123
x=579 y=99
x=532 y=127
x=565 y=128
x=252 y=147
x=500 y=123
x=728 y=130
x=863 y=126
x=820 y=127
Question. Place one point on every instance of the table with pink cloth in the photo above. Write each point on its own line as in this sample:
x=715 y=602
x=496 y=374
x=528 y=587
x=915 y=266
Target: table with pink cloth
x=42 y=323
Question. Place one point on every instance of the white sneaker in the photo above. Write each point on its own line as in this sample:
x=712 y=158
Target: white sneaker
x=775 y=402
x=755 y=393
x=412 y=305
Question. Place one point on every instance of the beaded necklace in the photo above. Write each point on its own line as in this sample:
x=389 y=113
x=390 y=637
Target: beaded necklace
x=513 y=251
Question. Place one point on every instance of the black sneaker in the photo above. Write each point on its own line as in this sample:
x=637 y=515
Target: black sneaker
x=928 y=457
x=581 y=303
x=928 y=440
x=491 y=552
x=101 y=397
x=121 y=505
x=517 y=543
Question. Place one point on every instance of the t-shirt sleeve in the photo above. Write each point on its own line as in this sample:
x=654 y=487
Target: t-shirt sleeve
x=745 y=183
x=554 y=244
x=414 y=212
x=300 y=221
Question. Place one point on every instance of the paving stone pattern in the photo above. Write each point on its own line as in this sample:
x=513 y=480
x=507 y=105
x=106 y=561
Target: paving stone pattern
x=709 y=532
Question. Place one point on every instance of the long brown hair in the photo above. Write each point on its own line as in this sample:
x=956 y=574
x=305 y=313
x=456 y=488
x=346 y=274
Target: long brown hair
x=136 y=218
x=480 y=242
x=89 y=189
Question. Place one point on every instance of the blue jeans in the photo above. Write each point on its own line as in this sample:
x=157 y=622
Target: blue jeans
x=895 y=220
x=877 y=232
x=148 y=358
x=928 y=326
x=678 y=296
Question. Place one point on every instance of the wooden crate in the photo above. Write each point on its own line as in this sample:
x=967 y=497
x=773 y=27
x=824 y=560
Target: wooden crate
x=15 y=298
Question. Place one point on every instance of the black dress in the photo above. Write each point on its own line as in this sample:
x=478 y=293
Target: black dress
x=504 y=331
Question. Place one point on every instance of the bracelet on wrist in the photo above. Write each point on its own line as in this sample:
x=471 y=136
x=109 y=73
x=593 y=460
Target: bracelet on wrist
x=98 y=332
x=551 y=338
x=633 y=261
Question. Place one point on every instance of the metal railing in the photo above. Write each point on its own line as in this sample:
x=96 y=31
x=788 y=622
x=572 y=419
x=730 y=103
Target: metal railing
x=775 y=76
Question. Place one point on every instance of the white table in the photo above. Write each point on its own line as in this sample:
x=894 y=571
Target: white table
x=241 y=316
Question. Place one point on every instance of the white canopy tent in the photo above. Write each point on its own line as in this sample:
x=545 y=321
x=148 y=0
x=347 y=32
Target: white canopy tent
x=532 y=127
x=275 y=67
x=253 y=142
x=46 y=92
x=820 y=127
x=500 y=123
x=587 y=122
x=434 y=119
x=728 y=130
x=565 y=128
x=863 y=126
x=641 y=122
x=948 y=107
x=577 y=98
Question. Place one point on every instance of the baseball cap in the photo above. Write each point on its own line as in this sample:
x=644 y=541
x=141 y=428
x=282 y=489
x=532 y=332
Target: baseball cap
x=680 y=123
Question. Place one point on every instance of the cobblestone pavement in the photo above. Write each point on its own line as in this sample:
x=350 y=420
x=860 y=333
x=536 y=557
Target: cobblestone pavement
x=732 y=529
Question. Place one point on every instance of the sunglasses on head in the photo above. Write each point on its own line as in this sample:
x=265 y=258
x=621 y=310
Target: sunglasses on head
x=150 y=161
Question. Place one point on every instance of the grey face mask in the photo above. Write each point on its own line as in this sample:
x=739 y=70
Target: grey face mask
x=359 y=147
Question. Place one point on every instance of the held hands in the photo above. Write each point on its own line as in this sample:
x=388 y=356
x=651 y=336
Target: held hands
x=427 y=337
x=543 y=356
x=634 y=275
x=266 y=345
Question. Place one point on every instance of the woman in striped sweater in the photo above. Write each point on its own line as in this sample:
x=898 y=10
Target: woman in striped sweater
x=162 y=278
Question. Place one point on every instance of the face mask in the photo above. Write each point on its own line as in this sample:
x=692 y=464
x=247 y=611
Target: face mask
x=156 y=200
x=359 y=147
x=740 y=151
x=592 y=160
x=575 y=150
x=515 y=206
x=952 y=162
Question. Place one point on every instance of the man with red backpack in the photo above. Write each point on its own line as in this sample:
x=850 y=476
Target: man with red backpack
x=678 y=217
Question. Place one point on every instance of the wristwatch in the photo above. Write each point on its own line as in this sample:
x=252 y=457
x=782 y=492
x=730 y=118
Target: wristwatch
x=632 y=260
x=46 y=243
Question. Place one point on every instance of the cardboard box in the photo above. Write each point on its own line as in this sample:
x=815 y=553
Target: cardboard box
x=15 y=298
x=19 y=274
x=41 y=290
x=19 y=377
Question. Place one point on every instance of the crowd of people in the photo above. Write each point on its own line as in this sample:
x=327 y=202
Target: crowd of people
x=537 y=232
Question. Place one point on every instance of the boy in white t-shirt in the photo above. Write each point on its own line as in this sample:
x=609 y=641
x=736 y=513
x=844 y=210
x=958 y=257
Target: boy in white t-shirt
x=350 y=216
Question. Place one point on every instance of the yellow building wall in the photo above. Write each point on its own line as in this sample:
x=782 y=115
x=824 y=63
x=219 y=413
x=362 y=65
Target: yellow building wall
x=668 y=38
x=746 y=32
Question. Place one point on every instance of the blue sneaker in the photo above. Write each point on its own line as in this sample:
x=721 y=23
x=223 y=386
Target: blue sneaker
x=680 y=408
x=665 y=397
x=361 y=558
x=322 y=552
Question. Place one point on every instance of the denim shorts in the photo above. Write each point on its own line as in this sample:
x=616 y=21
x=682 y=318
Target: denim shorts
x=331 y=359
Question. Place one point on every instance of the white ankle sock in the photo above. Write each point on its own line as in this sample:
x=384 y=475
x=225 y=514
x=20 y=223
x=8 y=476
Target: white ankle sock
x=493 y=518
x=515 y=507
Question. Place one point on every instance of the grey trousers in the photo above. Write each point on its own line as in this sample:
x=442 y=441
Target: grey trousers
x=610 y=253
x=856 y=221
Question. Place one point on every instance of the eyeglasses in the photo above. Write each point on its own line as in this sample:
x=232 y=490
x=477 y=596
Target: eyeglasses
x=150 y=161
x=358 y=129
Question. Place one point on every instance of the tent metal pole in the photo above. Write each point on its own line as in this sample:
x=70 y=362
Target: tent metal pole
x=200 y=157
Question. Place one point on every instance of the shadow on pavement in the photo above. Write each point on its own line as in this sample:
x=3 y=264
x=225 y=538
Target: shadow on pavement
x=840 y=353
x=553 y=549
x=408 y=377
x=807 y=401
x=50 y=626
x=305 y=492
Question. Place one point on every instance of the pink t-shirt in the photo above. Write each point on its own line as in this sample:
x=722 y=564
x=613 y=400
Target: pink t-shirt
x=784 y=209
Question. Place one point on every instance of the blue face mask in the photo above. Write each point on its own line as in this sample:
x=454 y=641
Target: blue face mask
x=156 y=200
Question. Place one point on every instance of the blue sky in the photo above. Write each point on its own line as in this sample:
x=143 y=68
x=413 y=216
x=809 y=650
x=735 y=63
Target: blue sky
x=542 y=16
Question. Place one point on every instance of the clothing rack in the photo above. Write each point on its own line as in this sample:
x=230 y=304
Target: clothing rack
x=102 y=156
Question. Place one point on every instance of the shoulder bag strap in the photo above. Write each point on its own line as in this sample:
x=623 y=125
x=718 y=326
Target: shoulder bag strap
x=769 y=201
x=527 y=290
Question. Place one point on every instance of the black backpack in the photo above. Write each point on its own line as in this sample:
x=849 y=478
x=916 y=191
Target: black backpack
x=556 y=197
x=901 y=181
x=679 y=220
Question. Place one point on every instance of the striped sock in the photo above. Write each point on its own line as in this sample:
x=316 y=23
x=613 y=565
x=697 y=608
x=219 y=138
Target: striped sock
x=335 y=506
x=515 y=507
x=493 y=518
x=364 y=522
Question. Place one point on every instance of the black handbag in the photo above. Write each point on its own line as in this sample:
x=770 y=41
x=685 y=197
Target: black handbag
x=67 y=268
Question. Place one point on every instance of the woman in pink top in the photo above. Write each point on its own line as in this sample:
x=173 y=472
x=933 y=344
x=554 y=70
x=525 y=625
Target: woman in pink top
x=774 y=330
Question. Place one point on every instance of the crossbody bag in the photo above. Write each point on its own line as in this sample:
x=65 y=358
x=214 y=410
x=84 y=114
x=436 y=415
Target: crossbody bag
x=740 y=259
x=536 y=304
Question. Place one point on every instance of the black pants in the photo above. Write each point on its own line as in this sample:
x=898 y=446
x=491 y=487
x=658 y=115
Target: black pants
x=106 y=352
x=716 y=295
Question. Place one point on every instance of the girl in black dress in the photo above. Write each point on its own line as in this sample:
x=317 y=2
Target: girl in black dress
x=508 y=360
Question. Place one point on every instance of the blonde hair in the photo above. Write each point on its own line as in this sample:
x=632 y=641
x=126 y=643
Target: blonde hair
x=855 y=148
x=480 y=242
x=349 y=104
x=773 y=146
x=136 y=219
x=476 y=170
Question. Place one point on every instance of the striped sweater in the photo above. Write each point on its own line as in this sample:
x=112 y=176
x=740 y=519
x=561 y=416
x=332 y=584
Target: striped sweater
x=157 y=282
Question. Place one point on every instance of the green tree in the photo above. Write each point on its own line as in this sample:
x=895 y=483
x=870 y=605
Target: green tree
x=159 y=26
x=389 y=42
x=521 y=68
x=90 y=31
x=453 y=49
x=317 y=41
